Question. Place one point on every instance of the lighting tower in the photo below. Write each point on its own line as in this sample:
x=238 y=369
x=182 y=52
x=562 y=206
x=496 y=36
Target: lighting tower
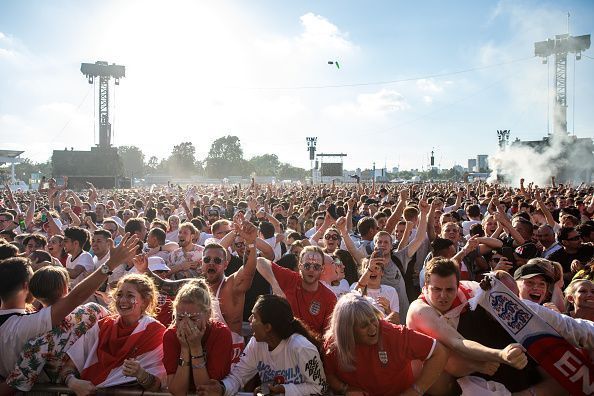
x=503 y=137
x=560 y=46
x=311 y=147
x=105 y=72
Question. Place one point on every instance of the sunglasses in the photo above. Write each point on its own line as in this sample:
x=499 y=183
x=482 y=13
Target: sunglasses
x=216 y=260
x=315 y=266
x=332 y=237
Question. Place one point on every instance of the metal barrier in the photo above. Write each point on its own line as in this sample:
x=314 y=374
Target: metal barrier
x=56 y=390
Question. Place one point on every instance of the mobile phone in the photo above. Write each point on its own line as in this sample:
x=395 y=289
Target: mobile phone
x=103 y=287
x=508 y=253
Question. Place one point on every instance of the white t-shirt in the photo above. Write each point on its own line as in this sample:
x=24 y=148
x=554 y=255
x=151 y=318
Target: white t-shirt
x=295 y=359
x=342 y=288
x=388 y=292
x=467 y=224
x=85 y=260
x=17 y=330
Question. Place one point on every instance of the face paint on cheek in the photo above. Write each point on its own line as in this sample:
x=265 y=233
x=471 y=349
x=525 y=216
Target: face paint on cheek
x=133 y=301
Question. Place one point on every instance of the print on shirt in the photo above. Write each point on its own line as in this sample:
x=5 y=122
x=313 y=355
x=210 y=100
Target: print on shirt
x=314 y=308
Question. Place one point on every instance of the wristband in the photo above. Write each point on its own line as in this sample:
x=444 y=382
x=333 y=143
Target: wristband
x=68 y=378
x=199 y=366
x=198 y=356
x=181 y=362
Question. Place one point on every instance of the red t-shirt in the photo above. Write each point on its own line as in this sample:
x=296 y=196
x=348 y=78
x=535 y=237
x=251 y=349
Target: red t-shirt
x=165 y=312
x=217 y=344
x=401 y=344
x=313 y=308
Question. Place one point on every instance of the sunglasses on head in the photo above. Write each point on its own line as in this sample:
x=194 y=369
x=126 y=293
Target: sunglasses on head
x=216 y=260
x=315 y=266
x=332 y=237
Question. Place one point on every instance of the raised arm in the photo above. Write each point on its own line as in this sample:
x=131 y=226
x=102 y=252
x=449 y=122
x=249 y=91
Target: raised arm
x=165 y=286
x=264 y=267
x=507 y=225
x=397 y=213
x=543 y=208
x=85 y=289
x=350 y=245
x=242 y=278
x=422 y=230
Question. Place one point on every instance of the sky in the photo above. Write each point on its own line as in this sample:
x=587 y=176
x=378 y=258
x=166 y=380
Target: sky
x=414 y=76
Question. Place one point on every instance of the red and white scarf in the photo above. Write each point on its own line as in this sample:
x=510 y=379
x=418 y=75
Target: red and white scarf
x=100 y=353
x=569 y=366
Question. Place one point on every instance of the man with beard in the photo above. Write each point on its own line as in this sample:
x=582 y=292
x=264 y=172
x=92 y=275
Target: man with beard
x=184 y=261
x=310 y=300
x=229 y=290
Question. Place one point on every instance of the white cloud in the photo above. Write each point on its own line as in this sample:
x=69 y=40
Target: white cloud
x=321 y=33
x=381 y=103
x=428 y=85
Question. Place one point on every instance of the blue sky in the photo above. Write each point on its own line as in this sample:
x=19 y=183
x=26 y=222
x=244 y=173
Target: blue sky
x=198 y=70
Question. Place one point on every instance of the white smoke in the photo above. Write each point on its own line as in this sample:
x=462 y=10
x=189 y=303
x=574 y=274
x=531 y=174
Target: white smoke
x=565 y=157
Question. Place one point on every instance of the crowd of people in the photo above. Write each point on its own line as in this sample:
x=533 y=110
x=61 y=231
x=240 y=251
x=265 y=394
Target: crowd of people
x=345 y=289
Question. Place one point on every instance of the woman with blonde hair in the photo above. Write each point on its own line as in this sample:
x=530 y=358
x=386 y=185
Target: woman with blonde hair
x=579 y=296
x=196 y=346
x=124 y=348
x=368 y=355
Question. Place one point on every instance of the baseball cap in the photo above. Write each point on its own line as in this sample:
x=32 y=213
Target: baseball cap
x=527 y=251
x=531 y=270
x=155 y=263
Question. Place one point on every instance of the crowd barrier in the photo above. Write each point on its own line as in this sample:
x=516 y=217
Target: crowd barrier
x=57 y=390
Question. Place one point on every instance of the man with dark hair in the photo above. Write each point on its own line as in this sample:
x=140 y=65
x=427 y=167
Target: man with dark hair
x=437 y=313
x=586 y=232
x=8 y=235
x=34 y=242
x=136 y=226
x=474 y=217
x=79 y=263
x=17 y=326
x=367 y=228
x=8 y=250
x=545 y=235
x=574 y=254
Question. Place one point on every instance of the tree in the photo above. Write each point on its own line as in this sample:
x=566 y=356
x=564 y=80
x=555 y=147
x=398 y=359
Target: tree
x=182 y=160
x=152 y=164
x=132 y=161
x=265 y=165
x=288 y=171
x=225 y=158
x=23 y=170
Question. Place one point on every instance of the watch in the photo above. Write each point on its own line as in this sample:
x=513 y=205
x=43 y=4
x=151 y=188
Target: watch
x=105 y=270
x=181 y=362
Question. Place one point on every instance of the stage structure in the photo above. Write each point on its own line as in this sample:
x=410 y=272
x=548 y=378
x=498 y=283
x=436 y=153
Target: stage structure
x=333 y=169
x=102 y=165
